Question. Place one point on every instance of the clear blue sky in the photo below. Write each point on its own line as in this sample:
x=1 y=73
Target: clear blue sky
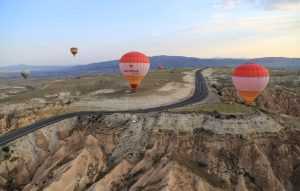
x=40 y=32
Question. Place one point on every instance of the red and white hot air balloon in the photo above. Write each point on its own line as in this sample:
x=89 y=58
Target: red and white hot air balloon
x=250 y=80
x=134 y=66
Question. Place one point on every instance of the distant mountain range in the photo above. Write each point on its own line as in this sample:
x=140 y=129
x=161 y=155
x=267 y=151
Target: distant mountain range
x=166 y=61
x=22 y=67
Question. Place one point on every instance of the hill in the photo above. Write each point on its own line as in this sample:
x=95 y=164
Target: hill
x=21 y=67
x=170 y=62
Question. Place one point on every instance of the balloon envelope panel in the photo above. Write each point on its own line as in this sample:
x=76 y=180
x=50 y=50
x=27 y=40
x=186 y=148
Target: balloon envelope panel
x=134 y=69
x=250 y=83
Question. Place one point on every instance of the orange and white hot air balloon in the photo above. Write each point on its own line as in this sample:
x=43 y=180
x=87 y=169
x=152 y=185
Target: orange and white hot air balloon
x=134 y=66
x=250 y=80
x=74 y=51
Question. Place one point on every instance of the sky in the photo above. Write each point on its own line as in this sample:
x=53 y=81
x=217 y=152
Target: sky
x=41 y=32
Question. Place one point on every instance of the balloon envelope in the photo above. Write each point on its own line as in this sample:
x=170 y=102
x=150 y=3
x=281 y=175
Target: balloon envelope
x=161 y=67
x=74 y=51
x=134 y=66
x=25 y=74
x=250 y=80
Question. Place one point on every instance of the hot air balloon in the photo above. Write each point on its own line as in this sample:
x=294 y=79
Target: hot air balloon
x=250 y=80
x=25 y=74
x=74 y=51
x=134 y=66
x=161 y=67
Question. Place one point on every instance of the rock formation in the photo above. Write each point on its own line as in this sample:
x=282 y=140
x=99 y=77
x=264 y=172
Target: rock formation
x=14 y=116
x=157 y=151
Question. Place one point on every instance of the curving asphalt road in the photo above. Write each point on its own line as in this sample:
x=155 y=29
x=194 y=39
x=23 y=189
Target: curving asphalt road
x=200 y=93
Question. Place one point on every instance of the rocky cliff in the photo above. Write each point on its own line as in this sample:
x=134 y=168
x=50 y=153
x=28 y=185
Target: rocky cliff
x=157 y=151
x=14 y=116
x=282 y=95
x=275 y=100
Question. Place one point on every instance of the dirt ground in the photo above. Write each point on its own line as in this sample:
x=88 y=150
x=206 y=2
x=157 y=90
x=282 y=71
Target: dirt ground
x=101 y=91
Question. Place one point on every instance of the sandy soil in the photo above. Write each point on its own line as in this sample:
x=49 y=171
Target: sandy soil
x=170 y=93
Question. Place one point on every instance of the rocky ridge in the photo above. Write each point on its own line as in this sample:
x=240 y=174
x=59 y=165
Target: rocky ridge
x=157 y=151
x=276 y=98
x=14 y=116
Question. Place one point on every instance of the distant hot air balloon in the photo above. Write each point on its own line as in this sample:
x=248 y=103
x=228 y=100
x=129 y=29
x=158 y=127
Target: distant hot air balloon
x=250 y=80
x=161 y=67
x=134 y=66
x=74 y=51
x=25 y=74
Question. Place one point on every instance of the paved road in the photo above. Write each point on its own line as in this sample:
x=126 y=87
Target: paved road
x=200 y=93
